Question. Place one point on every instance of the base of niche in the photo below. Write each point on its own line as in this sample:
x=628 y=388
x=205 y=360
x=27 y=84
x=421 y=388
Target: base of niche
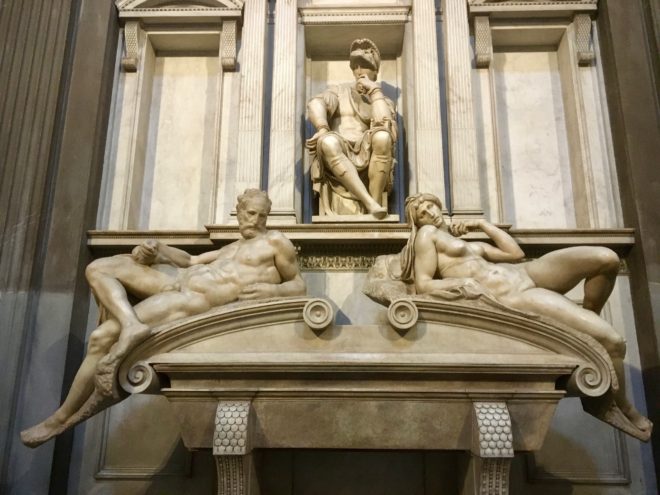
x=354 y=219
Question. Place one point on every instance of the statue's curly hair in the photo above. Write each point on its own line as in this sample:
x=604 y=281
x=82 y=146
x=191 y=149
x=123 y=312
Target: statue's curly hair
x=250 y=194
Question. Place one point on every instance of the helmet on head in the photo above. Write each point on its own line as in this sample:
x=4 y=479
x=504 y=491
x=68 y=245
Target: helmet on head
x=364 y=53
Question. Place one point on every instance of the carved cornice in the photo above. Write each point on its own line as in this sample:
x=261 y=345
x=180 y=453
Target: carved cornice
x=125 y=5
x=356 y=15
x=152 y=11
x=531 y=8
x=354 y=240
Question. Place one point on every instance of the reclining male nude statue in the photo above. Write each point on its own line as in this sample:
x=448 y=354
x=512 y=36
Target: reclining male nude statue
x=352 y=151
x=172 y=285
x=440 y=264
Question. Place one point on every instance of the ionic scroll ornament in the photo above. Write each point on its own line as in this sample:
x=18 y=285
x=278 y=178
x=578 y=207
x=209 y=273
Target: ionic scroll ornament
x=402 y=314
x=141 y=378
x=318 y=314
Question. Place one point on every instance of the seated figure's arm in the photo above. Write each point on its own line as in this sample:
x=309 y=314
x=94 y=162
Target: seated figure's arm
x=321 y=108
x=505 y=249
x=426 y=265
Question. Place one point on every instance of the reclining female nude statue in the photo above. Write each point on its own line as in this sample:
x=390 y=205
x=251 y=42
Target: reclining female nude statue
x=436 y=262
x=172 y=285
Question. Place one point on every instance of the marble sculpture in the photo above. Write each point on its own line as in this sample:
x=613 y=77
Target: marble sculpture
x=171 y=285
x=436 y=263
x=353 y=148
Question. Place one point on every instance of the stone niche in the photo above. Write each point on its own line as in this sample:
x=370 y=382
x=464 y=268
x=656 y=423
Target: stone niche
x=171 y=97
x=328 y=33
x=541 y=114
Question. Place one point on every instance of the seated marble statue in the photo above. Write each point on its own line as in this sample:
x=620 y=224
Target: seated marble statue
x=172 y=285
x=352 y=151
x=440 y=264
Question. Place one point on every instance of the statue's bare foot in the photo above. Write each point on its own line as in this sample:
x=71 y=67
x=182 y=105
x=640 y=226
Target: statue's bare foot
x=640 y=422
x=130 y=336
x=379 y=212
x=44 y=431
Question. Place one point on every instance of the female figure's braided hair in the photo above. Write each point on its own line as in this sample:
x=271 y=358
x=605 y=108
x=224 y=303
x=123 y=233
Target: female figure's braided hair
x=408 y=254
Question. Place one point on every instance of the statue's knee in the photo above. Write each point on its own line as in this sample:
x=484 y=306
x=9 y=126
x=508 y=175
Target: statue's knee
x=103 y=266
x=608 y=259
x=101 y=340
x=381 y=142
x=330 y=145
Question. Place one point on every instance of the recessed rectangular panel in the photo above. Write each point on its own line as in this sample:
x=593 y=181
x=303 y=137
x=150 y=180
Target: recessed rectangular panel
x=533 y=143
x=181 y=143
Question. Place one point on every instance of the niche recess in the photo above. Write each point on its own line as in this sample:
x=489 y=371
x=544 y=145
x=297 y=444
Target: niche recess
x=328 y=33
x=164 y=141
x=540 y=107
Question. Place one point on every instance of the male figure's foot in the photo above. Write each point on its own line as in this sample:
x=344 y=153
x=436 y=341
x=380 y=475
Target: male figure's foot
x=640 y=422
x=130 y=336
x=44 y=431
x=378 y=211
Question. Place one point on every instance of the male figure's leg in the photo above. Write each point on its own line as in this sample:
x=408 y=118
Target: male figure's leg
x=113 y=277
x=344 y=170
x=100 y=342
x=380 y=164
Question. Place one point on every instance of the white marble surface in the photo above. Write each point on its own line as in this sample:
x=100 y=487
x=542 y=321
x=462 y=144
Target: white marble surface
x=533 y=145
x=180 y=157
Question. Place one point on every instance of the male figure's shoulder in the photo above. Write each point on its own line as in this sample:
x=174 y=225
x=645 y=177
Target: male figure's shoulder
x=277 y=238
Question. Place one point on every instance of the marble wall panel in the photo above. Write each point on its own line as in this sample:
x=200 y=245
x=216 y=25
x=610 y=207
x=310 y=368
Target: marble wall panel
x=344 y=289
x=533 y=144
x=180 y=157
x=608 y=212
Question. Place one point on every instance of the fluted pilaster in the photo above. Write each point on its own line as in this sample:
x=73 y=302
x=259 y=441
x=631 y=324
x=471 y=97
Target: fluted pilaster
x=465 y=188
x=282 y=154
x=428 y=126
x=251 y=116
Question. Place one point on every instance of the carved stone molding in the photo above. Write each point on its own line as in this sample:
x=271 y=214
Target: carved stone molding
x=228 y=45
x=230 y=475
x=129 y=61
x=231 y=446
x=137 y=13
x=483 y=42
x=494 y=476
x=318 y=314
x=493 y=435
x=585 y=52
x=232 y=429
x=531 y=8
x=492 y=448
x=355 y=15
x=164 y=9
x=336 y=263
